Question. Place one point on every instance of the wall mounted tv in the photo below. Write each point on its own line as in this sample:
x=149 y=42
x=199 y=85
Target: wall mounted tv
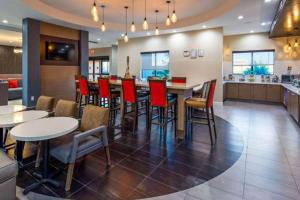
x=58 y=51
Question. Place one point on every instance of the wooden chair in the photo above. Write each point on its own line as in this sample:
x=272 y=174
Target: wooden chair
x=205 y=104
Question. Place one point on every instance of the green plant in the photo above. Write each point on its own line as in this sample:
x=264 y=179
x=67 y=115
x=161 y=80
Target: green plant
x=257 y=70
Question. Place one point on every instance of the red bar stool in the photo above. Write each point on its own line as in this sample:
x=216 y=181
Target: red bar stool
x=77 y=94
x=133 y=98
x=110 y=96
x=159 y=99
x=205 y=104
x=113 y=77
x=175 y=79
x=85 y=93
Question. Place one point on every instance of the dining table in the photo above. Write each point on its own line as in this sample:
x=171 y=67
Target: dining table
x=43 y=130
x=182 y=90
x=6 y=110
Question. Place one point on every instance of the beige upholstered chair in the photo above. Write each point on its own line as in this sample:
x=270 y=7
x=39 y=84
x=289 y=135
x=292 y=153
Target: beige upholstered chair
x=45 y=103
x=91 y=136
x=63 y=108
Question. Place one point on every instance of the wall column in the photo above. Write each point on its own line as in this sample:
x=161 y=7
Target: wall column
x=31 y=61
x=84 y=53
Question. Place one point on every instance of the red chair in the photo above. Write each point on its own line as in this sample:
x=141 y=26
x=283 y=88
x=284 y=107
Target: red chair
x=178 y=79
x=106 y=94
x=113 y=77
x=134 y=99
x=159 y=99
x=85 y=93
x=205 y=104
x=77 y=97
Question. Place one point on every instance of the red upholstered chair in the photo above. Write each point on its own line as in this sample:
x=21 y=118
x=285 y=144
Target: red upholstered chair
x=159 y=99
x=77 y=94
x=204 y=104
x=133 y=99
x=86 y=93
x=106 y=94
x=178 y=79
x=113 y=77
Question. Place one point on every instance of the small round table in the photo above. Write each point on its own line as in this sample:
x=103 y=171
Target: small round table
x=44 y=130
x=8 y=109
x=10 y=120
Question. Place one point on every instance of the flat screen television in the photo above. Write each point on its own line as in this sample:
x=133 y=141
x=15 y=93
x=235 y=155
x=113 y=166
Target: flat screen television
x=59 y=51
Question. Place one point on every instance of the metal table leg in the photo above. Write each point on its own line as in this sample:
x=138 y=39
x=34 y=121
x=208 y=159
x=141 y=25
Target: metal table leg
x=44 y=177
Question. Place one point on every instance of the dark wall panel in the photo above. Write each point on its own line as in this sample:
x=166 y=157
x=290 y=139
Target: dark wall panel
x=10 y=62
x=84 y=52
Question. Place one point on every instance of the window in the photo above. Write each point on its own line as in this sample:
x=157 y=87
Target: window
x=155 y=64
x=98 y=66
x=253 y=62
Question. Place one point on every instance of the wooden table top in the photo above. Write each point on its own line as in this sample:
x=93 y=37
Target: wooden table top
x=170 y=85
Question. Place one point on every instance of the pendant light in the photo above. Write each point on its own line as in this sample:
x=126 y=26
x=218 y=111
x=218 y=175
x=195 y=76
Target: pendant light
x=132 y=24
x=103 y=26
x=174 y=17
x=296 y=43
x=145 y=24
x=126 y=36
x=94 y=12
x=168 y=21
x=156 y=27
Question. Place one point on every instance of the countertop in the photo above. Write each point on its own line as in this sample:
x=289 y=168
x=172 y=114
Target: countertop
x=285 y=85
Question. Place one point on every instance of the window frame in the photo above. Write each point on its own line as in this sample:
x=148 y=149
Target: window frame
x=252 y=64
x=101 y=59
x=154 y=52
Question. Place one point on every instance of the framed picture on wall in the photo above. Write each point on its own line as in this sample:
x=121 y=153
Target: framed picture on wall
x=194 y=54
x=186 y=54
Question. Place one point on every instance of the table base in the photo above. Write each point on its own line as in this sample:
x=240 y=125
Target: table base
x=39 y=183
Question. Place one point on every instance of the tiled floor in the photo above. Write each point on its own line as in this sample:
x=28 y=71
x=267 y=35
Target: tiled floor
x=269 y=167
x=147 y=166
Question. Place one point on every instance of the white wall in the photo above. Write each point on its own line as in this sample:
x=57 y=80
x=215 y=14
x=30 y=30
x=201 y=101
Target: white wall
x=261 y=41
x=196 y=70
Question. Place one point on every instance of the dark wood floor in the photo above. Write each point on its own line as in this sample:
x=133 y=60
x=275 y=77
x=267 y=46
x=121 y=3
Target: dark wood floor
x=144 y=165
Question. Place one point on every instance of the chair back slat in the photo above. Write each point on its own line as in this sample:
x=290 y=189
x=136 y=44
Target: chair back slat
x=158 y=93
x=113 y=77
x=129 y=90
x=178 y=79
x=104 y=87
x=211 y=93
x=83 y=86
x=205 y=89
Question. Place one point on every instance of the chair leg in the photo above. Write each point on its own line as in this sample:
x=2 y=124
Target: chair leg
x=150 y=119
x=69 y=176
x=214 y=123
x=79 y=107
x=209 y=125
x=165 y=110
x=107 y=156
x=38 y=156
x=175 y=119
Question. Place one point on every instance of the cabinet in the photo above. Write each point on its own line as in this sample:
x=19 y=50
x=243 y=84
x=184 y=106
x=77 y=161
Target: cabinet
x=259 y=92
x=231 y=91
x=274 y=93
x=293 y=105
x=244 y=91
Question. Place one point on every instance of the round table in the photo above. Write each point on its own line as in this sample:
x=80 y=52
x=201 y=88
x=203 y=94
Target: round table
x=8 y=109
x=13 y=119
x=44 y=130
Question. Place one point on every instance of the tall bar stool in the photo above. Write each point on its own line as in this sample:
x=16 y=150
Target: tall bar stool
x=110 y=96
x=177 y=79
x=159 y=99
x=205 y=104
x=134 y=99
x=77 y=97
x=85 y=94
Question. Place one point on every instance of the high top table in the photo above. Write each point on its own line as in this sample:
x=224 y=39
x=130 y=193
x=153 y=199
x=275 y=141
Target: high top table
x=183 y=91
x=44 y=130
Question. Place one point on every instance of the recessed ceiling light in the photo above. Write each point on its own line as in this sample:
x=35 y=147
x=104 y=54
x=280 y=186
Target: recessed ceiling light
x=122 y=34
x=268 y=1
x=263 y=23
x=148 y=33
x=240 y=17
x=98 y=39
x=4 y=21
x=10 y=41
x=252 y=31
x=174 y=31
x=204 y=26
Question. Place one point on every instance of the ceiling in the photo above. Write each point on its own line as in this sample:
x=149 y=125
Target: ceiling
x=192 y=15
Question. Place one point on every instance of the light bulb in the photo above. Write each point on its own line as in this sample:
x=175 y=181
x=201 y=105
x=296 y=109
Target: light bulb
x=290 y=47
x=168 y=21
x=103 y=28
x=156 y=31
x=126 y=38
x=94 y=12
x=145 y=24
x=296 y=43
x=132 y=27
x=174 y=17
